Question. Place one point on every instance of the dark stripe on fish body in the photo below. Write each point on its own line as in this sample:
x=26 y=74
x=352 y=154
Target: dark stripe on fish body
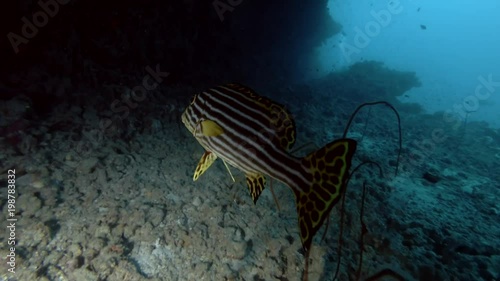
x=194 y=113
x=242 y=104
x=267 y=113
x=243 y=157
x=277 y=159
x=239 y=113
x=269 y=153
x=232 y=145
x=277 y=117
x=255 y=118
x=245 y=146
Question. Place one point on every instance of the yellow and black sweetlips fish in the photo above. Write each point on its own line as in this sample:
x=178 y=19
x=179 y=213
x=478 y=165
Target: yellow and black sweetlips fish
x=253 y=134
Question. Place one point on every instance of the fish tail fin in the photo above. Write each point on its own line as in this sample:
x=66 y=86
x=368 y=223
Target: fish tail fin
x=327 y=171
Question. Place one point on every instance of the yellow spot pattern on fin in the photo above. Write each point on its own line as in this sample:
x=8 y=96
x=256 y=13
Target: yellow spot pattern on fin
x=209 y=128
x=206 y=161
x=255 y=184
x=284 y=125
x=328 y=171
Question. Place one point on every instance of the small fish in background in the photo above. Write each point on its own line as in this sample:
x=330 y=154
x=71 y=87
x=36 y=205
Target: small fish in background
x=418 y=10
x=254 y=134
x=423 y=27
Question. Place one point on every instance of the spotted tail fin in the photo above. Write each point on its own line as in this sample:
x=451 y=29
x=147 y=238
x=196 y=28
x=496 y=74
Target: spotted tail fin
x=328 y=171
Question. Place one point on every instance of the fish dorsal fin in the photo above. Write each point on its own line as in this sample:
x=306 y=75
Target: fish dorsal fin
x=206 y=161
x=284 y=125
x=208 y=128
x=255 y=184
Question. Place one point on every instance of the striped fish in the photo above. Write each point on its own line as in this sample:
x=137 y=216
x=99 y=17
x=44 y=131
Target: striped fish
x=253 y=134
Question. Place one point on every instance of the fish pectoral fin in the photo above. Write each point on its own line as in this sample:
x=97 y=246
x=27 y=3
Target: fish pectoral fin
x=255 y=184
x=206 y=161
x=209 y=128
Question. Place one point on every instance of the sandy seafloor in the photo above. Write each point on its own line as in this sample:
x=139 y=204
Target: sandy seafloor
x=129 y=209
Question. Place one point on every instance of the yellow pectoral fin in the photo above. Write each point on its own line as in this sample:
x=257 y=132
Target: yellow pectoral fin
x=255 y=184
x=206 y=161
x=209 y=128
